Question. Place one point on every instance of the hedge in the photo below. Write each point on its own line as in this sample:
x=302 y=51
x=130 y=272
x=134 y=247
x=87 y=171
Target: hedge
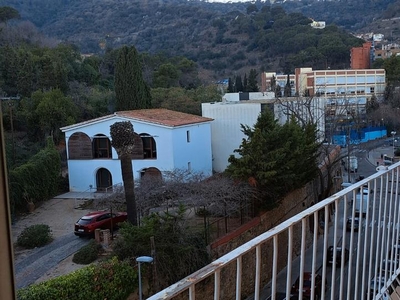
x=37 y=180
x=111 y=280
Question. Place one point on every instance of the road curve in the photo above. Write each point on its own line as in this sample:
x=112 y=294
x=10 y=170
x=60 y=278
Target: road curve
x=41 y=260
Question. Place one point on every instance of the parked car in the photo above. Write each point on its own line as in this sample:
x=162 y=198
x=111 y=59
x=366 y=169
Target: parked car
x=395 y=252
x=87 y=224
x=388 y=266
x=282 y=296
x=376 y=285
x=338 y=255
x=307 y=288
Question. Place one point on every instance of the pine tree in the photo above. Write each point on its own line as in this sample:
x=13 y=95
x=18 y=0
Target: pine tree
x=275 y=165
x=130 y=89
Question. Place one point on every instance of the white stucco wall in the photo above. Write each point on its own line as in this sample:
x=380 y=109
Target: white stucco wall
x=226 y=134
x=196 y=152
x=172 y=151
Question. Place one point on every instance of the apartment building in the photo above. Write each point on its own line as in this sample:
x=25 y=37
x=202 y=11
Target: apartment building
x=236 y=109
x=387 y=51
x=280 y=79
x=362 y=57
x=343 y=83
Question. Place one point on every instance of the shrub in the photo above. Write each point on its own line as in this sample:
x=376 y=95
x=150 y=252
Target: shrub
x=111 y=280
x=24 y=179
x=35 y=236
x=87 y=254
x=180 y=250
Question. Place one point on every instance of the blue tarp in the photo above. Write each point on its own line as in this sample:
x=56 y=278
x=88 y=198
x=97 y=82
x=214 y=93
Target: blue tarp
x=359 y=136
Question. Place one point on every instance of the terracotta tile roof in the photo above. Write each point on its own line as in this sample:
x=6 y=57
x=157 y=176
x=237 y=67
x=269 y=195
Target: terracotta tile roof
x=160 y=116
x=163 y=116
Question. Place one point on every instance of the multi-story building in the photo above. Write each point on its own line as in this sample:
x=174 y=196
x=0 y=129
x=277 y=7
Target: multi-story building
x=387 y=51
x=344 y=83
x=280 y=79
x=244 y=108
x=362 y=57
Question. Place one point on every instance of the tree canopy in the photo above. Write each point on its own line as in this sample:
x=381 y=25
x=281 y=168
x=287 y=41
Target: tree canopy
x=8 y=13
x=274 y=158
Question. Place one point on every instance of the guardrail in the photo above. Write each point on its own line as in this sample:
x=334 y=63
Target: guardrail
x=297 y=250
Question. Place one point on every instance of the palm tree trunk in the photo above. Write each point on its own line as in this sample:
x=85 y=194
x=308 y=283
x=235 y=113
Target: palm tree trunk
x=129 y=188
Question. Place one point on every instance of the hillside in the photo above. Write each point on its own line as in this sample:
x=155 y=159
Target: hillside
x=225 y=39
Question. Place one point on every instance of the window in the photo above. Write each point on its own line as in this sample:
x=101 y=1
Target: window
x=372 y=89
x=149 y=146
x=101 y=147
x=188 y=136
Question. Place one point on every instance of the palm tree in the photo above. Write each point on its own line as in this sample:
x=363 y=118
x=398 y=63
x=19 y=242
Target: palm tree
x=122 y=136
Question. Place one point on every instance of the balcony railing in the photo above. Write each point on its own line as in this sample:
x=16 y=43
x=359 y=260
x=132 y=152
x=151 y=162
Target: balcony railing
x=363 y=218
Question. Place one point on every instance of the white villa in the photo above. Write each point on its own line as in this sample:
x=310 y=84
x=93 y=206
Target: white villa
x=166 y=140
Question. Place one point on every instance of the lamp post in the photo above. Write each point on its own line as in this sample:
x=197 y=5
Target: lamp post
x=393 y=134
x=139 y=260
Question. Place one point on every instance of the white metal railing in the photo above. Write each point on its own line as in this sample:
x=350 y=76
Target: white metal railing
x=113 y=188
x=363 y=218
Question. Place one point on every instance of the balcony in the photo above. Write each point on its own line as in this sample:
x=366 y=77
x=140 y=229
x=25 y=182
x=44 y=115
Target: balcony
x=363 y=218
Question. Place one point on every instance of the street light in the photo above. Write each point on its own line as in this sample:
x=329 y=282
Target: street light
x=139 y=260
x=393 y=134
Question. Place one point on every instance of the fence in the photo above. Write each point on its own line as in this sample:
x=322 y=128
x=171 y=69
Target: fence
x=269 y=264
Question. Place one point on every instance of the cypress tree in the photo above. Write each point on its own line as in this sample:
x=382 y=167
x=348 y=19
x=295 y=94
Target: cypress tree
x=252 y=81
x=288 y=89
x=245 y=83
x=231 y=89
x=238 y=84
x=131 y=91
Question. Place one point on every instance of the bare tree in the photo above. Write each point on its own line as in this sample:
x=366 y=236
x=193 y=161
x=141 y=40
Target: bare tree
x=331 y=115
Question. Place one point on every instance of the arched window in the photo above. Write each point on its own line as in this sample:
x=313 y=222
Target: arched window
x=101 y=146
x=149 y=146
x=79 y=146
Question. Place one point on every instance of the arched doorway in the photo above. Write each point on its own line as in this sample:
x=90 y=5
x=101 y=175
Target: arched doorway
x=103 y=179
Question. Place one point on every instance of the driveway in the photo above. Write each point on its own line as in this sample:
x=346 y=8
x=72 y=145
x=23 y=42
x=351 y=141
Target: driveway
x=54 y=259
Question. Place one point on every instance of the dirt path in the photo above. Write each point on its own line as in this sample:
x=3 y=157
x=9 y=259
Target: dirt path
x=55 y=259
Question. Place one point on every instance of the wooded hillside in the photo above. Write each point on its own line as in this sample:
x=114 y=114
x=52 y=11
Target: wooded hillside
x=223 y=39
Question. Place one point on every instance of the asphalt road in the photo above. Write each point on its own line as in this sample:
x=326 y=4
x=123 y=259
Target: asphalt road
x=30 y=268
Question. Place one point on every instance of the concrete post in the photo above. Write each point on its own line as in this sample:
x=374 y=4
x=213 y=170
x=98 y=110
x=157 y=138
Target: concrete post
x=97 y=235
x=106 y=237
